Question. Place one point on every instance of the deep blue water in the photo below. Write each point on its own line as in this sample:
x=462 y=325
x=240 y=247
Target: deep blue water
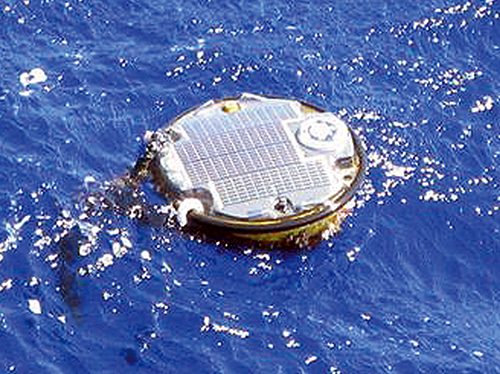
x=410 y=285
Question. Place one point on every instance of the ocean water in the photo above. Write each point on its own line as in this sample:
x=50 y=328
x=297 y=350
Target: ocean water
x=411 y=283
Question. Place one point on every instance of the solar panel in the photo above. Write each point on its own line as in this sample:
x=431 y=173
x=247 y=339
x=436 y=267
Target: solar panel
x=248 y=155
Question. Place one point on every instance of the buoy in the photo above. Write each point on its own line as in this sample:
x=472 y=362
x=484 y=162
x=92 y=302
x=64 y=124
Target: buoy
x=256 y=167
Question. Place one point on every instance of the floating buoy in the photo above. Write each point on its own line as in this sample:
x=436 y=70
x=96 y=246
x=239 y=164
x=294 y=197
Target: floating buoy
x=266 y=169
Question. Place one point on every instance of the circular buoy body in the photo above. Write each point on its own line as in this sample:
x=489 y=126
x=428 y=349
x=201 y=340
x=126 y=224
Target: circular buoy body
x=266 y=169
